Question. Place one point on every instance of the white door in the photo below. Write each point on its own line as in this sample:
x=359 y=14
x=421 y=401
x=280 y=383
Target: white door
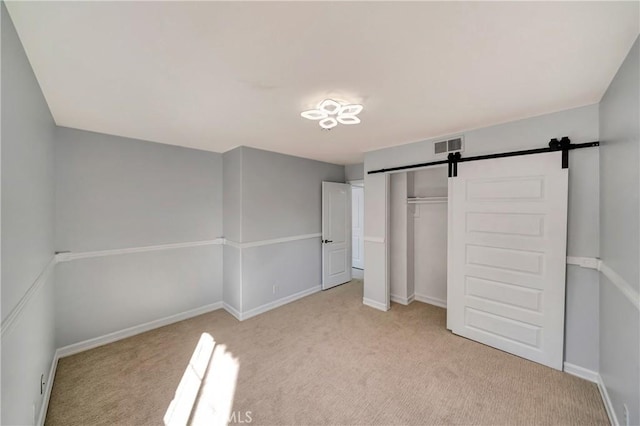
x=336 y=234
x=357 y=227
x=507 y=255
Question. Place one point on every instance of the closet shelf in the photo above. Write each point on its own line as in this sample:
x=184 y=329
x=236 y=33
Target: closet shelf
x=426 y=200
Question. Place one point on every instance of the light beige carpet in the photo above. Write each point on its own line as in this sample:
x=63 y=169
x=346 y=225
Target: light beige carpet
x=326 y=359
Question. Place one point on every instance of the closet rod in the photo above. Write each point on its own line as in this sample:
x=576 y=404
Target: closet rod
x=552 y=148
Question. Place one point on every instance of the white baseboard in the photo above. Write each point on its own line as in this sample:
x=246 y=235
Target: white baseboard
x=402 y=300
x=373 y=304
x=47 y=389
x=583 y=373
x=594 y=377
x=132 y=331
x=233 y=311
x=431 y=300
x=608 y=405
x=277 y=303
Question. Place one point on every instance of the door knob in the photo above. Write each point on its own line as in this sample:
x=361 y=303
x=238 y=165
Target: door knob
x=327 y=241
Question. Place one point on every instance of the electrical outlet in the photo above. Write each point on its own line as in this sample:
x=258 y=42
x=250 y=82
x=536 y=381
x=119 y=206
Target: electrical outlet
x=42 y=384
x=275 y=289
x=626 y=415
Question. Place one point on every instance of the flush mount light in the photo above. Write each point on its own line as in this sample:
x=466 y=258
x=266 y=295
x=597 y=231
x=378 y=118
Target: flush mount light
x=331 y=112
x=328 y=123
x=314 y=114
x=348 y=119
x=329 y=106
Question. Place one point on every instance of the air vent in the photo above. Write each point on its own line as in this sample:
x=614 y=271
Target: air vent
x=440 y=147
x=452 y=145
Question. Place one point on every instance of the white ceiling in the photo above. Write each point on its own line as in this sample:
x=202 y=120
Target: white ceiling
x=213 y=75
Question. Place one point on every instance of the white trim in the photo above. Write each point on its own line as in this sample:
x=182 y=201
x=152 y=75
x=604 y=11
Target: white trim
x=430 y=300
x=272 y=241
x=608 y=405
x=48 y=388
x=233 y=311
x=596 y=378
x=584 y=262
x=402 y=300
x=379 y=240
x=233 y=244
x=69 y=256
x=373 y=304
x=427 y=200
x=136 y=329
x=622 y=285
x=277 y=303
x=15 y=313
x=66 y=257
x=617 y=280
x=583 y=373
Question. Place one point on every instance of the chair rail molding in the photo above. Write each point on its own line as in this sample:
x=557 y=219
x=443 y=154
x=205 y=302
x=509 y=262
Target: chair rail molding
x=15 y=313
x=616 y=279
x=260 y=243
x=69 y=256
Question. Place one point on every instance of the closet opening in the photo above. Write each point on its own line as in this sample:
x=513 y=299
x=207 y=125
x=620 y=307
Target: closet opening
x=418 y=236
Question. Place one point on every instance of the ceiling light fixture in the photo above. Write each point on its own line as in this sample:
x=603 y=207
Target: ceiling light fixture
x=331 y=112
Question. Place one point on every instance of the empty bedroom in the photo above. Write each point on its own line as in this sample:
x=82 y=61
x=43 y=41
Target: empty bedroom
x=320 y=213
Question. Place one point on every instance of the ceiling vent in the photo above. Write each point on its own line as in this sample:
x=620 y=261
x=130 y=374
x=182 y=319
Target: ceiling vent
x=441 y=148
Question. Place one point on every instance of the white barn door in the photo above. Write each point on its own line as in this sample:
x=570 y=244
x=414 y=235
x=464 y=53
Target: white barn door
x=336 y=234
x=507 y=255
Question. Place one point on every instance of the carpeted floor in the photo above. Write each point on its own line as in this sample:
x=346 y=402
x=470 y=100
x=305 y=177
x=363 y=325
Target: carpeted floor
x=326 y=359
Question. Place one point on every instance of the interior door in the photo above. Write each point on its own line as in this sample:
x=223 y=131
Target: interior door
x=336 y=234
x=507 y=255
x=357 y=227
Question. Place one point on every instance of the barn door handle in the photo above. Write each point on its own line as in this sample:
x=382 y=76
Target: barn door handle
x=327 y=241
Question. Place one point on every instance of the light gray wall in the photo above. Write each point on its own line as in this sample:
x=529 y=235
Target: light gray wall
x=27 y=230
x=27 y=172
x=282 y=194
x=232 y=224
x=581 y=125
x=232 y=190
x=293 y=267
x=100 y=295
x=581 y=317
x=281 y=197
x=619 y=175
x=354 y=172
x=115 y=193
x=620 y=235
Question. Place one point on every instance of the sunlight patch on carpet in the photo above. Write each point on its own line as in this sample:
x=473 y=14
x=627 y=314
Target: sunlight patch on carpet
x=206 y=390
